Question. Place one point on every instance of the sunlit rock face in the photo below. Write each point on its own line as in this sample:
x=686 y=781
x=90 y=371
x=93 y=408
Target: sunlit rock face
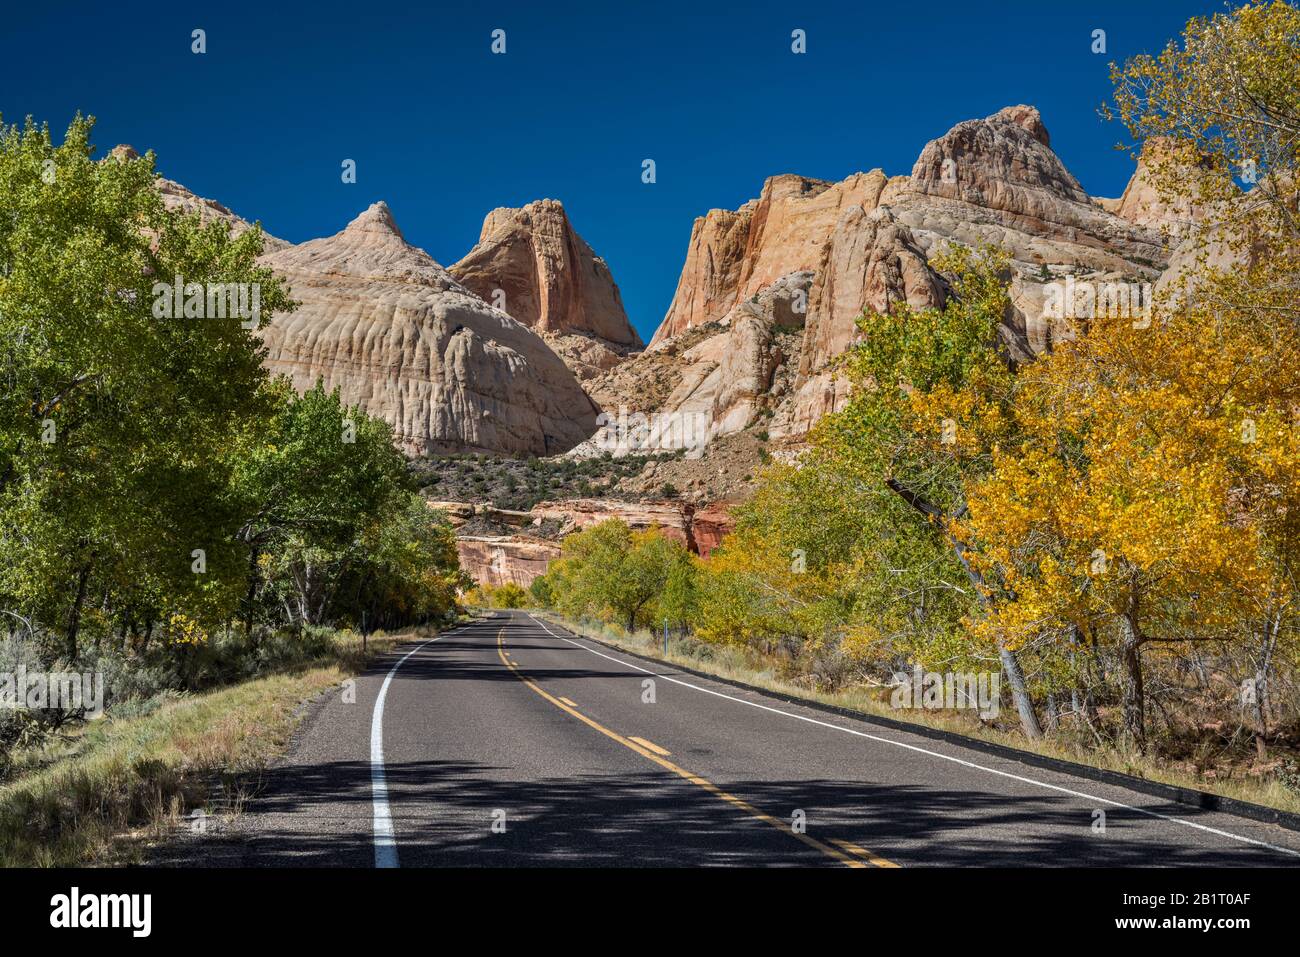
x=399 y=336
x=867 y=244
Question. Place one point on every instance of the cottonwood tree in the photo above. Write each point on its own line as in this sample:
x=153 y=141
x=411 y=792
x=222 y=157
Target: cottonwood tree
x=111 y=445
x=1222 y=101
x=610 y=569
x=1149 y=495
x=309 y=486
x=932 y=402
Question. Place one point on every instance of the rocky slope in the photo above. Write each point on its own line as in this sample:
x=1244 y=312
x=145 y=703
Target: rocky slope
x=391 y=328
x=532 y=263
x=731 y=349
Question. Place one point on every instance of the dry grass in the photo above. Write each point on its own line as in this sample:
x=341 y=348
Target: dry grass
x=102 y=794
x=738 y=664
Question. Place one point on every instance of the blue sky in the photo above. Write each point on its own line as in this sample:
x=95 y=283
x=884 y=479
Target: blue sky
x=444 y=130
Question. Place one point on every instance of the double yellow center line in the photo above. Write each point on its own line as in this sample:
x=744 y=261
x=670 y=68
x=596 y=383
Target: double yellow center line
x=850 y=855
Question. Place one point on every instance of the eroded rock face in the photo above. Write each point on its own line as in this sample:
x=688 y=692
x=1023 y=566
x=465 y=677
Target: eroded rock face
x=870 y=262
x=733 y=255
x=762 y=341
x=549 y=277
x=734 y=369
x=868 y=241
x=379 y=319
x=672 y=518
x=710 y=278
x=996 y=180
x=586 y=355
x=709 y=526
x=497 y=559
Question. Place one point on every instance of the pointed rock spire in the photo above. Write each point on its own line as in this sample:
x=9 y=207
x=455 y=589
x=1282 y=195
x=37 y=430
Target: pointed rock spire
x=551 y=279
x=377 y=219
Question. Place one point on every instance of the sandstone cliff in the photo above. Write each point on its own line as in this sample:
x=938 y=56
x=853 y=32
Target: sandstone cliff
x=497 y=559
x=532 y=263
x=865 y=244
x=391 y=328
x=733 y=255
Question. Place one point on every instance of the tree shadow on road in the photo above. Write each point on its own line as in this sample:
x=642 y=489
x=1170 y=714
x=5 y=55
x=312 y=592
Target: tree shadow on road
x=443 y=814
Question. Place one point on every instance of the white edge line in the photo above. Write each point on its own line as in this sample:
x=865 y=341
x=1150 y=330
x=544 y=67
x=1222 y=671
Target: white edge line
x=935 y=754
x=385 y=840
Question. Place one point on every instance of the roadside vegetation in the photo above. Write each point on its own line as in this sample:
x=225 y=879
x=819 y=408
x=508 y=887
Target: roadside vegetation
x=1113 y=530
x=103 y=792
x=174 y=522
x=507 y=595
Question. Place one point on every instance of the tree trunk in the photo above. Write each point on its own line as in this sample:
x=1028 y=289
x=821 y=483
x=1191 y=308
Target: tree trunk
x=1010 y=665
x=1271 y=628
x=1019 y=692
x=252 y=595
x=1130 y=652
x=74 y=616
x=124 y=644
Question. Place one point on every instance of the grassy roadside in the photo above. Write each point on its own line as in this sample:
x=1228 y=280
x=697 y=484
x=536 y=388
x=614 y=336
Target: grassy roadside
x=740 y=665
x=102 y=793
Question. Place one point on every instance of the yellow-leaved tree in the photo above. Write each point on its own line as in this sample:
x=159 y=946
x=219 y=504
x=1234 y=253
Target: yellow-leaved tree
x=1151 y=493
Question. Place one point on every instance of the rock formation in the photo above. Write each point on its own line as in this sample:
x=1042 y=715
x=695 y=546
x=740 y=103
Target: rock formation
x=709 y=526
x=532 y=263
x=382 y=321
x=870 y=261
x=733 y=255
x=497 y=559
x=996 y=180
x=766 y=304
x=866 y=244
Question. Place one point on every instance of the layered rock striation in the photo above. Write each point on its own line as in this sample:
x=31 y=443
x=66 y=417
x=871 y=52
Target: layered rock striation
x=380 y=320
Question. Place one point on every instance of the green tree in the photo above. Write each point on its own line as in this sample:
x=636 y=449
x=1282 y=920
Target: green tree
x=113 y=436
x=542 y=592
x=509 y=595
x=309 y=487
x=403 y=568
x=611 y=571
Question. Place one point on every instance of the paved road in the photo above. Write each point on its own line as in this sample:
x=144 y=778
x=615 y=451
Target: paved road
x=509 y=742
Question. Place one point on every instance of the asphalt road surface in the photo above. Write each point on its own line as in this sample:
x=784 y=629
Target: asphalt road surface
x=511 y=743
